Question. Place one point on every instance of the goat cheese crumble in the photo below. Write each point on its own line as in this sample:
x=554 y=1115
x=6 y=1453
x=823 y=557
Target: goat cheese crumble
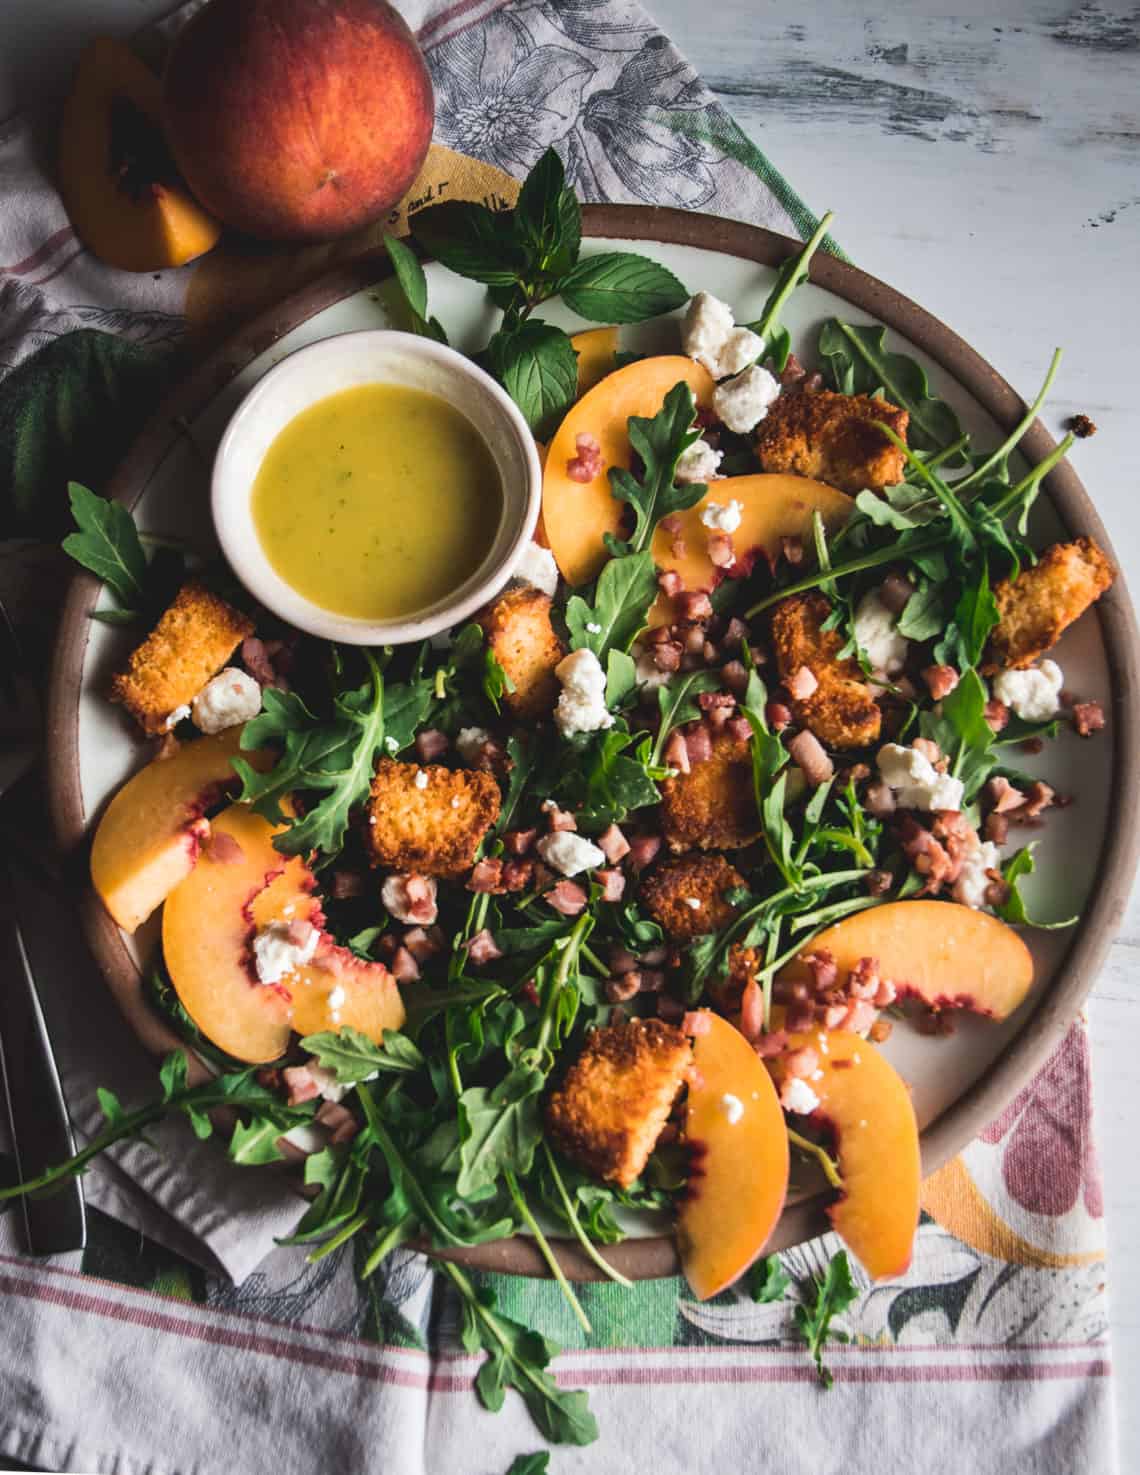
x=421 y=779
x=732 y=1106
x=468 y=742
x=568 y=853
x=710 y=335
x=698 y=462
x=877 y=636
x=536 y=566
x=179 y=714
x=693 y=903
x=723 y=519
x=582 y=701
x=227 y=699
x=916 y=781
x=1033 y=694
x=741 y=403
x=280 y=948
x=798 y=1096
x=970 y=887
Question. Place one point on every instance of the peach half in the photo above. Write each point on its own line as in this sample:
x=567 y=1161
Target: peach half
x=149 y=837
x=738 y=1173
x=949 y=956
x=865 y=1102
x=241 y=885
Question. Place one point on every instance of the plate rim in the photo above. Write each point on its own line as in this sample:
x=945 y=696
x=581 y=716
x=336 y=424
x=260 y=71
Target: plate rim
x=1075 y=971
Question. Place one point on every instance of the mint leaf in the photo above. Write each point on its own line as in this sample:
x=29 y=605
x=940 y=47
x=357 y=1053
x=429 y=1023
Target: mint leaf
x=621 y=287
x=834 y=1293
x=857 y=362
x=538 y=368
x=409 y=274
x=768 y=1280
x=471 y=241
x=548 y=218
x=107 y=543
x=623 y=596
x=352 y=1056
x=413 y=284
x=658 y=442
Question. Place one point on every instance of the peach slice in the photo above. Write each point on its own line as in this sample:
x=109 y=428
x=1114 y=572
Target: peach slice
x=595 y=349
x=949 y=956
x=240 y=885
x=577 y=514
x=867 y=1104
x=122 y=192
x=773 y=507
x=739 y=1173
x=149 y=836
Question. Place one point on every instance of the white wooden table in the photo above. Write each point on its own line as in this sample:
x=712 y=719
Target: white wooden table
x=988 y=165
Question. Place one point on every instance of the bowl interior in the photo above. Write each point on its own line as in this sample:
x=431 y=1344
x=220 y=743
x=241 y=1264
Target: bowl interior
x=348 y=361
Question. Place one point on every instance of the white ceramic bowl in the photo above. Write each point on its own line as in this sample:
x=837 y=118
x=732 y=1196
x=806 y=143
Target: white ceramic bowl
x=345 y=362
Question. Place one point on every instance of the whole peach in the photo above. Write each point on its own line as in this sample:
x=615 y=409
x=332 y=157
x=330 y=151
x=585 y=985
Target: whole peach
x=298 y=119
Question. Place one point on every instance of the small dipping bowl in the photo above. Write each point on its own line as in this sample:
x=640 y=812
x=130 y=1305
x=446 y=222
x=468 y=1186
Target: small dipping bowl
x=348 y=361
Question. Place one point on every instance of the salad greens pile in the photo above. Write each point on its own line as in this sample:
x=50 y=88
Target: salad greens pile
x=451 y=1148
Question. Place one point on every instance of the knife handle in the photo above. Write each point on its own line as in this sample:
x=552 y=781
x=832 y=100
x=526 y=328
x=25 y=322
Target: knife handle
x=41 y=1131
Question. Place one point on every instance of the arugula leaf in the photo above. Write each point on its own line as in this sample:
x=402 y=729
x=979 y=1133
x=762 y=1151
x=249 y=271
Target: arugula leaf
x=496 y=682
x=621 y=287
x=858 y=363
x=352 y=1056
x=623 y=595
x=659 y=442
x=768 y=1280
x=615 y=781
x=677 y=705
x=975 y=615
x=107 y=543
x=834 y=1293
x=517 y=1358
x=255 y=1142
x=924 y=615
x=537 y=366
x=1014 y=910
x=335 y=759
x=500 y=1127
x=172 y=1076
x=471 y=241
x=111 y=1107
x=621 y=677
x=777 y=342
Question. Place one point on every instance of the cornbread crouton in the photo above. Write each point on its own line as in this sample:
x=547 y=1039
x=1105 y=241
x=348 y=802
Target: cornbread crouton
x=191 y=642
x=609 y=1110
x=712 y=807
x=841 y=711
x=429 y=819
x=686 y=895
x=1044 y=600
x=832 y=438
x=524 y=643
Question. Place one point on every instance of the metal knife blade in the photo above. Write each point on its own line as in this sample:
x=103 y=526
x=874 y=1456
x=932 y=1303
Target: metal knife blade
x=41 y=1129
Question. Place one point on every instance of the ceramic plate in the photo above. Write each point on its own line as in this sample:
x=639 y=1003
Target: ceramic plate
x=1087 y=850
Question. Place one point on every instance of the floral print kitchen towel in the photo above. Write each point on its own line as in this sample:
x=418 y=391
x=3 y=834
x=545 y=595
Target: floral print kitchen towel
x=182 y=1340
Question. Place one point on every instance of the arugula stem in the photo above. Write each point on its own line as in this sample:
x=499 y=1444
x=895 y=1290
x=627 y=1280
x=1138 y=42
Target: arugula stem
x=932 y=462
x=1015 y=435
x=388 y=1242
x=811 y=883
x=594 y=961
x=770 y=314
x=821 y=1155
x=1007 y=503
x=547 y=1253
x=588 y=1246
x=398 y=1168
x=856 y=847
x=874 y=559
x=946 y=494
x=578 y=934
x=343 y=1234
